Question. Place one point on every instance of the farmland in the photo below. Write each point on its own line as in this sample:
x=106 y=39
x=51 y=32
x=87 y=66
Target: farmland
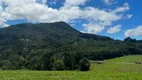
x=106 y=71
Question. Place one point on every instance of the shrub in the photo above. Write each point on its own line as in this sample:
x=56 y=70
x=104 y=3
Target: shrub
x=84 y=64
x=59 y=65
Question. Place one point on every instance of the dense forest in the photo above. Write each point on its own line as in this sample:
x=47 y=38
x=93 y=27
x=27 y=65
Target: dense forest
x=58 y=46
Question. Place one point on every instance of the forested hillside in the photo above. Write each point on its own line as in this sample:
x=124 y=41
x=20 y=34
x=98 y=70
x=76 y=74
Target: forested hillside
x=57 y=46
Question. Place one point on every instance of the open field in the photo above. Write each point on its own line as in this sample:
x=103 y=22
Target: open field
x=106 y=71
x=130 y=59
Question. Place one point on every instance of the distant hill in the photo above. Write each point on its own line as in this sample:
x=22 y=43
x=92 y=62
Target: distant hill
x=29 y=45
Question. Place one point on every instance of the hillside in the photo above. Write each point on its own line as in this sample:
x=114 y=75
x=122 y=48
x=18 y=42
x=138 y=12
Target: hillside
x=39 y=46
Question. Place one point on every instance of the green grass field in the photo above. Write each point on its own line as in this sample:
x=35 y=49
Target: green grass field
x=113 y=69
x=130 y=59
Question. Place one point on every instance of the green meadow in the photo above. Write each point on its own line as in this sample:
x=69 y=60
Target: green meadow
x=123 y=68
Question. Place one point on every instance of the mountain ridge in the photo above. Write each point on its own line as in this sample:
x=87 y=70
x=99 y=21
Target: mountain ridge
x=28 y=45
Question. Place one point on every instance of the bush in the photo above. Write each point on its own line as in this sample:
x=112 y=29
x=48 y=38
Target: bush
x=68 y=61
x=84 y=64
x=59 y=65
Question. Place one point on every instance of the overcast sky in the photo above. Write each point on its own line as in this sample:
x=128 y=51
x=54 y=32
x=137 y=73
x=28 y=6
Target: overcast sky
x=114 y=18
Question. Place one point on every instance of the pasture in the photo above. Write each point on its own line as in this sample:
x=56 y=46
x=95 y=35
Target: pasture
x=123 y=68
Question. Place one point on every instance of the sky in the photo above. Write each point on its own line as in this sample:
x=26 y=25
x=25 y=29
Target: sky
x=117 y=19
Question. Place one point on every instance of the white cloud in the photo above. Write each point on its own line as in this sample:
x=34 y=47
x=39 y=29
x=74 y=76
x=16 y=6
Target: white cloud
x=75 y=2
x=124 y=8
x=114 y=29
x=40 y=1
x=134 y=32
x=93 y=28
x=29 y=10
x=82 y=31
x=44 y=1
x=100 y=15
x=37 y=11
x=1 y=9
x=109 y=2
x=2 y=23
x=70 y=13
x=129 y=16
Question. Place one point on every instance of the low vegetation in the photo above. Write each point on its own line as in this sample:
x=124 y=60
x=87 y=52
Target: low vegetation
x=105 y=71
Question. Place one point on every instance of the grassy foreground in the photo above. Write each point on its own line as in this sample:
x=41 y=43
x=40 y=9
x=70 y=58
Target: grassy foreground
x=106 y=71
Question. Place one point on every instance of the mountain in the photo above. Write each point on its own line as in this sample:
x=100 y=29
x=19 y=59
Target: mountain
x=42 y=34
x=41 y=46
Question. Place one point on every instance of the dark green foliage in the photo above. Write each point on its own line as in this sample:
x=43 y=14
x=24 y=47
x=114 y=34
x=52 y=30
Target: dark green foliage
x=130 y=40
x=40 y=46
x=59 y=65
x=84 y=64
x=47 y=61
x=68 y=61
x=94 y=37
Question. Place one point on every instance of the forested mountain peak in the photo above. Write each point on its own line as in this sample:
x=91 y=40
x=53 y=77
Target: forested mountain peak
x=42 y=45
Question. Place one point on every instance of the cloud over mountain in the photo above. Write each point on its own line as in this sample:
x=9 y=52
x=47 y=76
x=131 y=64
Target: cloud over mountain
x=39 y=11
x=134 y=32
x=114 y=29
